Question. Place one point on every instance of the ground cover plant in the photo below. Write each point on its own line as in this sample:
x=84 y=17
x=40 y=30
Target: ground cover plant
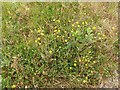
x=58 y=44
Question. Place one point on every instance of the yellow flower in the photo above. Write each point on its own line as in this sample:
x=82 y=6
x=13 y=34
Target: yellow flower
x=55 y=30
x=94 y=61
x=76 y=22
x=86 y=22
x=83 y=23
x=72 y=31
x=75 y=64
x=58 y=21
x=84 y=81
x=35 y=40
x=58 y=30
x=42 y=34
x=94 y=28
x=31 y=31
x=78 y=25
x=76 y=32
x=65 y=31
x=13 y=86
x=75 y=61
x=50 y=51
x=69 y=21
x=98 y=33
x=73 y=25
x=53 y=19
x=38 y=38
x=58 y=36
x=39 y=43
x=39 y=30
x=66 y=40
x=113 y=28
x=70 y=67
x=68 y=37
x=86 y=64
x=80 y=60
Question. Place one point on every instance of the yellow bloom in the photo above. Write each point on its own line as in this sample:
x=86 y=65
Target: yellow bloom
x=86 y=22
x=94 y=28
x=58 y=21
x=68 y=37
x=58 y=30
x=84 y=81
x=86 y=64
x=75 y=64
x=75 y=61
x=94 y=61
x=42 y=34
x=55 y=30
x=38 y=38
x=76 y=32
x=80 y=60
x=73 y=25
x=31 y=31
x=66 y=40
x=70 y=67
x=76 y=22
x=69 y=21
x=113 y=28
x=50 y=51
x=98 y=33
x=83 y=23
x=13 y=86
x=65 y=31
x=35 y=40
x=58 y=36
x=39 y=30
x=53 y=19
x=39 y=43
x=78 y=25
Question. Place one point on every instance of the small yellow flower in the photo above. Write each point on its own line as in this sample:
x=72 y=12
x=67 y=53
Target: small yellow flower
x=69 y=21
x=39 y=43
x=72 y=31
x=73 y=25
x=78 y=25
x=94 y=61
x=66 y=40
x=58 y=21
x=86 y=64
x=38 y=38
x=58 y=36
x=13 y=86
x=80 y=60
x=76 y=22
x=75 y=64
x=68 y=37
x=84 y=81
x=42 y=34
x=36 y=41
x=86 y=22
x=55 y=30
x=50 y=51
x=70 y=67
x=94 y=28
x=59 y=46
x=31 y=31
x=65 y=31
x=113 y=28
x=53 y=19
x=75 y=61
x=76 y=32
x=83 y=23
x=98 y=33
x=58 y=30
x=39 y=30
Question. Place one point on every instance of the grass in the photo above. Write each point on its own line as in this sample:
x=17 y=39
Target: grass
x=58 y=44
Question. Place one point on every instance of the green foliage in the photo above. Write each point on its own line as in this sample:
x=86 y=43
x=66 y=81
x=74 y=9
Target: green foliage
x=43 y=42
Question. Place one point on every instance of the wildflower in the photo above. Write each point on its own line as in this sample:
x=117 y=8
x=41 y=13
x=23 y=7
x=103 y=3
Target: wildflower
x=70 y=67
x=84 y=81
x=78 y=25
x=76 y=22
x=83 y=23
x=75 y=64
x=73 y=25
x=55 y=30
x=98 y=33
x=76 y=32
x=35 y=40
x=68 y=37
x=75 y=61
x=50 y=51
x=42 y=34
x=31 y=31
x=86 y=64
x=38 y=38
x=58 y=36
x=58 y=21
x=58 y=30
x=113 y=28
x=66 y=40
x=65 y=31
x=72 y=31
x=86 y=22
x=94 y=28
x=39 y=43
x=69 y=21
x=80 y=60
x=94 y=61
x=39 y=30
x=53 y=19
x=59 y=46
x=13 y=86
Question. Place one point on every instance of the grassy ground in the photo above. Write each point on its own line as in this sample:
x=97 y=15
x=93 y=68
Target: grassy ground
x=58 y=44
